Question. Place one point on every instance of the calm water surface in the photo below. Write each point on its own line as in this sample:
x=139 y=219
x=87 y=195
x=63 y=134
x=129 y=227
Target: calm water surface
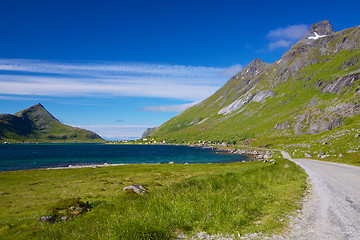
x=31 y=156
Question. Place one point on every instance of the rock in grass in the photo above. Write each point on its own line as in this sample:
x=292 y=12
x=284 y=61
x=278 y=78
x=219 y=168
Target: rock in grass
x=287 y=165
x=135 y=189
x=64 y=218
x=64 y=210
x=308 y=155
x=47 y=218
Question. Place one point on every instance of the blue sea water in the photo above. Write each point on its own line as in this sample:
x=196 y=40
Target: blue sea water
x=33 y=156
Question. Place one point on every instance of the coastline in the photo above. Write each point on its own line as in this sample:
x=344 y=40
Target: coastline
x=250 y=156
x=253 y=155
x=88 y=166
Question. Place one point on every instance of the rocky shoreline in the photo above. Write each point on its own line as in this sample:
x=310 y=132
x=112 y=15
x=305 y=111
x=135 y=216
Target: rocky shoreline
x=253 y=154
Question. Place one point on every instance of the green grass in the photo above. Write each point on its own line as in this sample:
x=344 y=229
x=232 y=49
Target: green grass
x=216 y=198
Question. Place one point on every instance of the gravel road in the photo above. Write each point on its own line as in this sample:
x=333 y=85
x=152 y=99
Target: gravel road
x=332 y=210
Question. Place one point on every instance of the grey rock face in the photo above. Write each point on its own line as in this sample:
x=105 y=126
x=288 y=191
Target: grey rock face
x=262 y=95
x=322 y=28
x=149 y=131
x=340 y=84
x=317 y=121
x=245 y=99
x=282 y=126
x=236 y=105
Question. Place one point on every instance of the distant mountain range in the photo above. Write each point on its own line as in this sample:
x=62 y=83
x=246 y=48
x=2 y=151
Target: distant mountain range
x=36 y=124
x=310 y=94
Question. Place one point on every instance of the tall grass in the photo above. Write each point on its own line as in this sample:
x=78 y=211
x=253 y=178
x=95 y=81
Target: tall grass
x=216 y=198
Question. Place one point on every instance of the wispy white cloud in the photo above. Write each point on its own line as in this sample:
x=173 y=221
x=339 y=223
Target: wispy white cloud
x=113 y=126
x=17 y=98
x=48 y=86
x=293 y=32
x=232 y=70
x=280 y=44
x=47 y=78
x=104 y=68
x=284 y=37
x=168 y=108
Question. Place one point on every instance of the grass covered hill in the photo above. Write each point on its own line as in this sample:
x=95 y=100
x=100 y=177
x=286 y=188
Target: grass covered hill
x=309 y=99
x=36 y=124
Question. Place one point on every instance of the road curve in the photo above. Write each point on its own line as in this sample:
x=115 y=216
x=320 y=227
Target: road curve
x=332 y=210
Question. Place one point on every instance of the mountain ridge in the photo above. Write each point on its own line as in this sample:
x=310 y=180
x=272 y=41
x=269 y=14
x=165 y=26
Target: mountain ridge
x=312 y=89
x=36 y=124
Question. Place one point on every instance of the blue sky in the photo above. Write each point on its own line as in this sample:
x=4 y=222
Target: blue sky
x=118 y=67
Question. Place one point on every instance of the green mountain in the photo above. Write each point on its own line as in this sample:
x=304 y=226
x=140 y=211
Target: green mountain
x=309 y=98
x=35 y=124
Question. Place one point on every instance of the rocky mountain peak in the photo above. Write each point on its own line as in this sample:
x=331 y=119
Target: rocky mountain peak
x=318 y=30
x=253 y=67
x=257 y=63
x=36 y=112
x=36 y=124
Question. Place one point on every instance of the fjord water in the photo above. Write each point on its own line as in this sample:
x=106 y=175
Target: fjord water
x=32 y=156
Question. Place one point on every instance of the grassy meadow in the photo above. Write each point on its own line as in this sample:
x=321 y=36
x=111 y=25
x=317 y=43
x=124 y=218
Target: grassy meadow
x=228 y=198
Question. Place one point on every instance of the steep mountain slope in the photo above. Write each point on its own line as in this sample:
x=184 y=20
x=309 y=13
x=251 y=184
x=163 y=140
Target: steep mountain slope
x=37 y=124
x=312 y=89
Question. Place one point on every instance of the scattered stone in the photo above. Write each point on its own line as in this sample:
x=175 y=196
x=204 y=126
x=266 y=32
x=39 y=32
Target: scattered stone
x=324 y=156
x=340 y=155
x=171 y=162
x=135 y=188
x=351 y=151
x=287 y=165
x=65 y=210
x=356 y=135
x=282 y=126
x=47 y=218
x=64 y=218
x=308 y=155
x=265 y=161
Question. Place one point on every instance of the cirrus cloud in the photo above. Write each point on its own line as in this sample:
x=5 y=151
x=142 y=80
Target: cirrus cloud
x=167 y=108
x=284 y=37
x=50 y=78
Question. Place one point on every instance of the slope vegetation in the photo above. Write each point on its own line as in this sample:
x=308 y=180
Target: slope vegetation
x=308 y=99
x=36 y=124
